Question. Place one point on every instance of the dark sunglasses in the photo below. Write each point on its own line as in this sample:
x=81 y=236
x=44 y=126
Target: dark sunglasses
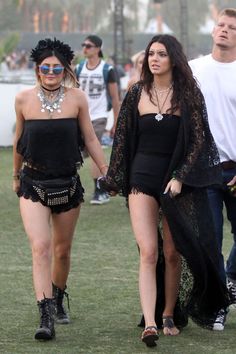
x=45 y=69
x=87 y=45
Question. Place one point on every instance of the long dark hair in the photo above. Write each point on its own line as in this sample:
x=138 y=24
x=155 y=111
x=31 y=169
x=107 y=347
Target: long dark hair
x=184 y=85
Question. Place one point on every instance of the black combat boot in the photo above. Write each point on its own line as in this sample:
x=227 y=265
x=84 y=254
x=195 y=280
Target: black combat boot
x=60 y=313
x=46 y=328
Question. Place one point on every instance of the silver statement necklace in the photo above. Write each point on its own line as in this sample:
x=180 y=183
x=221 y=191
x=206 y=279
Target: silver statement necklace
x=159 y=115
x=51 y=103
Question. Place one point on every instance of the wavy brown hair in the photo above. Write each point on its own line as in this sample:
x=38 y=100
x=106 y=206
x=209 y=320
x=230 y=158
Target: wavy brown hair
x=185 y=87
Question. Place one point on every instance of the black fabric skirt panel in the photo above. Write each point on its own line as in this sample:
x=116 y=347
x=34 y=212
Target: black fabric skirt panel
x=148 y=173
x=198 y=248
x=26 y=190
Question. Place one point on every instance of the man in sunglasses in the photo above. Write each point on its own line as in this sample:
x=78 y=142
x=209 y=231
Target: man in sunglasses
x=99 y=81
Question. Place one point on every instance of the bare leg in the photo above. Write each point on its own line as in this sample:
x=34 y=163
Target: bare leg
x=63 y=230
x=36 y=220
x=172 y=276
x=144 y=219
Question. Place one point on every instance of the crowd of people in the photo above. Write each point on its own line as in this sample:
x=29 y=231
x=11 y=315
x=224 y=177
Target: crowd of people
x=17 y=60
x=173 y=159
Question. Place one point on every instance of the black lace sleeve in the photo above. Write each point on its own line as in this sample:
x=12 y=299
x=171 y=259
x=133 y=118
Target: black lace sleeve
x=118 y=173
x=200 y=165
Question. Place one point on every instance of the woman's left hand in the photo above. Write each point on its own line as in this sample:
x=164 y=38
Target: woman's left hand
x=173 y=187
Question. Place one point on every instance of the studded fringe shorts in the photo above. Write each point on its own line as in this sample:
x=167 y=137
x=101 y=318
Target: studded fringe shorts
x=27 y=191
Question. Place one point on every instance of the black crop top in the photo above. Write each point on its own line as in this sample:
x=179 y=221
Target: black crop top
x=51 y=145
x=157 y=136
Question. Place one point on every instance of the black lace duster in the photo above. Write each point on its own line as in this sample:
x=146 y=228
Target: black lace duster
x=195 y=162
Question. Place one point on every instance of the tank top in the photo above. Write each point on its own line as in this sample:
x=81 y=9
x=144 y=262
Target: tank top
x=51 y=145
x=157 y=136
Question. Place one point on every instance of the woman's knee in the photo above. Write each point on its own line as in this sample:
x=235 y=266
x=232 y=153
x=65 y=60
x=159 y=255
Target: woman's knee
x=149 y=257
x=172 y=256
x=62 y=252
x=41 y=250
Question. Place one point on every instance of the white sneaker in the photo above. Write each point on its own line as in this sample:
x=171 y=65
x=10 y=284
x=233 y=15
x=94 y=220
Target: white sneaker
x=231 y=285
x=219 y=324
x=99 y=198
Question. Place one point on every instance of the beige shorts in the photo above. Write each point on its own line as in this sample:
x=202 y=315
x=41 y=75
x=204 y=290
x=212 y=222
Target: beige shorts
x=99 y=126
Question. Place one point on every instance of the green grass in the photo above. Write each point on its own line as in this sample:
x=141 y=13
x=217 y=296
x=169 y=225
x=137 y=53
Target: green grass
x=103 y=286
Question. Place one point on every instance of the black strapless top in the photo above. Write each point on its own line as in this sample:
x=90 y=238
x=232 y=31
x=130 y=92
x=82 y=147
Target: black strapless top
x=51 y=145
x=157 y=136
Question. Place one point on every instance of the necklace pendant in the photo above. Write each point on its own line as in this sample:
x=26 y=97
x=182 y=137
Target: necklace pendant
x=158 y=117
x=51 y=103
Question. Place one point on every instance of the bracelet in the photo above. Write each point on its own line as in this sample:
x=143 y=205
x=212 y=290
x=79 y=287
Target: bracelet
x=16 y=176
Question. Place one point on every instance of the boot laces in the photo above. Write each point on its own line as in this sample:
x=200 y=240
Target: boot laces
x=45 y=315
x=60 y=295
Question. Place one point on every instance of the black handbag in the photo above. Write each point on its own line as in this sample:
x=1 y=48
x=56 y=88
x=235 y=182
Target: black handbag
x=55 y=191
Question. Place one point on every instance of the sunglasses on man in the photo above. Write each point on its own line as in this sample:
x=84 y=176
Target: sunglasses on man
x=87 y=45
x=56 y=70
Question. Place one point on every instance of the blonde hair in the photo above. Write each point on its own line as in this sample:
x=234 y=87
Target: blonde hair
x=230 y=12
x=135 y=58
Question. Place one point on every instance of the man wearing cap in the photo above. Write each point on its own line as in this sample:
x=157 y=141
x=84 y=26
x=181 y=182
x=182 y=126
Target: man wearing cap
x=92 y=80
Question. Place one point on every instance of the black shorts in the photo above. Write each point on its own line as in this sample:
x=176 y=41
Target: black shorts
x=27 y=191
x=148 y=173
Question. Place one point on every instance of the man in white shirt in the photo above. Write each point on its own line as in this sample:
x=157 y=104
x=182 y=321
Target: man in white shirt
x=216 y=74
x=99 y=85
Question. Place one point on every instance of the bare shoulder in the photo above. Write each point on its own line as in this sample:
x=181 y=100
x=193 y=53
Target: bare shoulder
x=78 y=96
x=25 y=94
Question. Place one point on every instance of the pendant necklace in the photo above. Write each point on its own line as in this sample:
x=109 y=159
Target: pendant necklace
x=51 y=104
x=159 y=115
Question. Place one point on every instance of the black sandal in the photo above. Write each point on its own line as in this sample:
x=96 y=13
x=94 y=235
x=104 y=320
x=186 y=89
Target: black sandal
x=150 y=335
x=169 y=324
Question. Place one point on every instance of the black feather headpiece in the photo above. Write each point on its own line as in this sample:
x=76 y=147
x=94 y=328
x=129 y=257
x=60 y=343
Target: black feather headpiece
x=50 y=45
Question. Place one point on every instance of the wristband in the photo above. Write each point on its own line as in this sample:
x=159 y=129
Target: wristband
x=16 y=176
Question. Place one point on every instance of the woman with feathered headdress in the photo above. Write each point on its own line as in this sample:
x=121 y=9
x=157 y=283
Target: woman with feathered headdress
x=51 y=119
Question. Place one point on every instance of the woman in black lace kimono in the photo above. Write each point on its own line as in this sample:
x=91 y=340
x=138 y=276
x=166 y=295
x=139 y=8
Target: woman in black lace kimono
x=49 y=117
x=162 y=159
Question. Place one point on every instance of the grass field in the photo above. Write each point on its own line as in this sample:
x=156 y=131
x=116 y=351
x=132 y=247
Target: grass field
x=103 y=286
